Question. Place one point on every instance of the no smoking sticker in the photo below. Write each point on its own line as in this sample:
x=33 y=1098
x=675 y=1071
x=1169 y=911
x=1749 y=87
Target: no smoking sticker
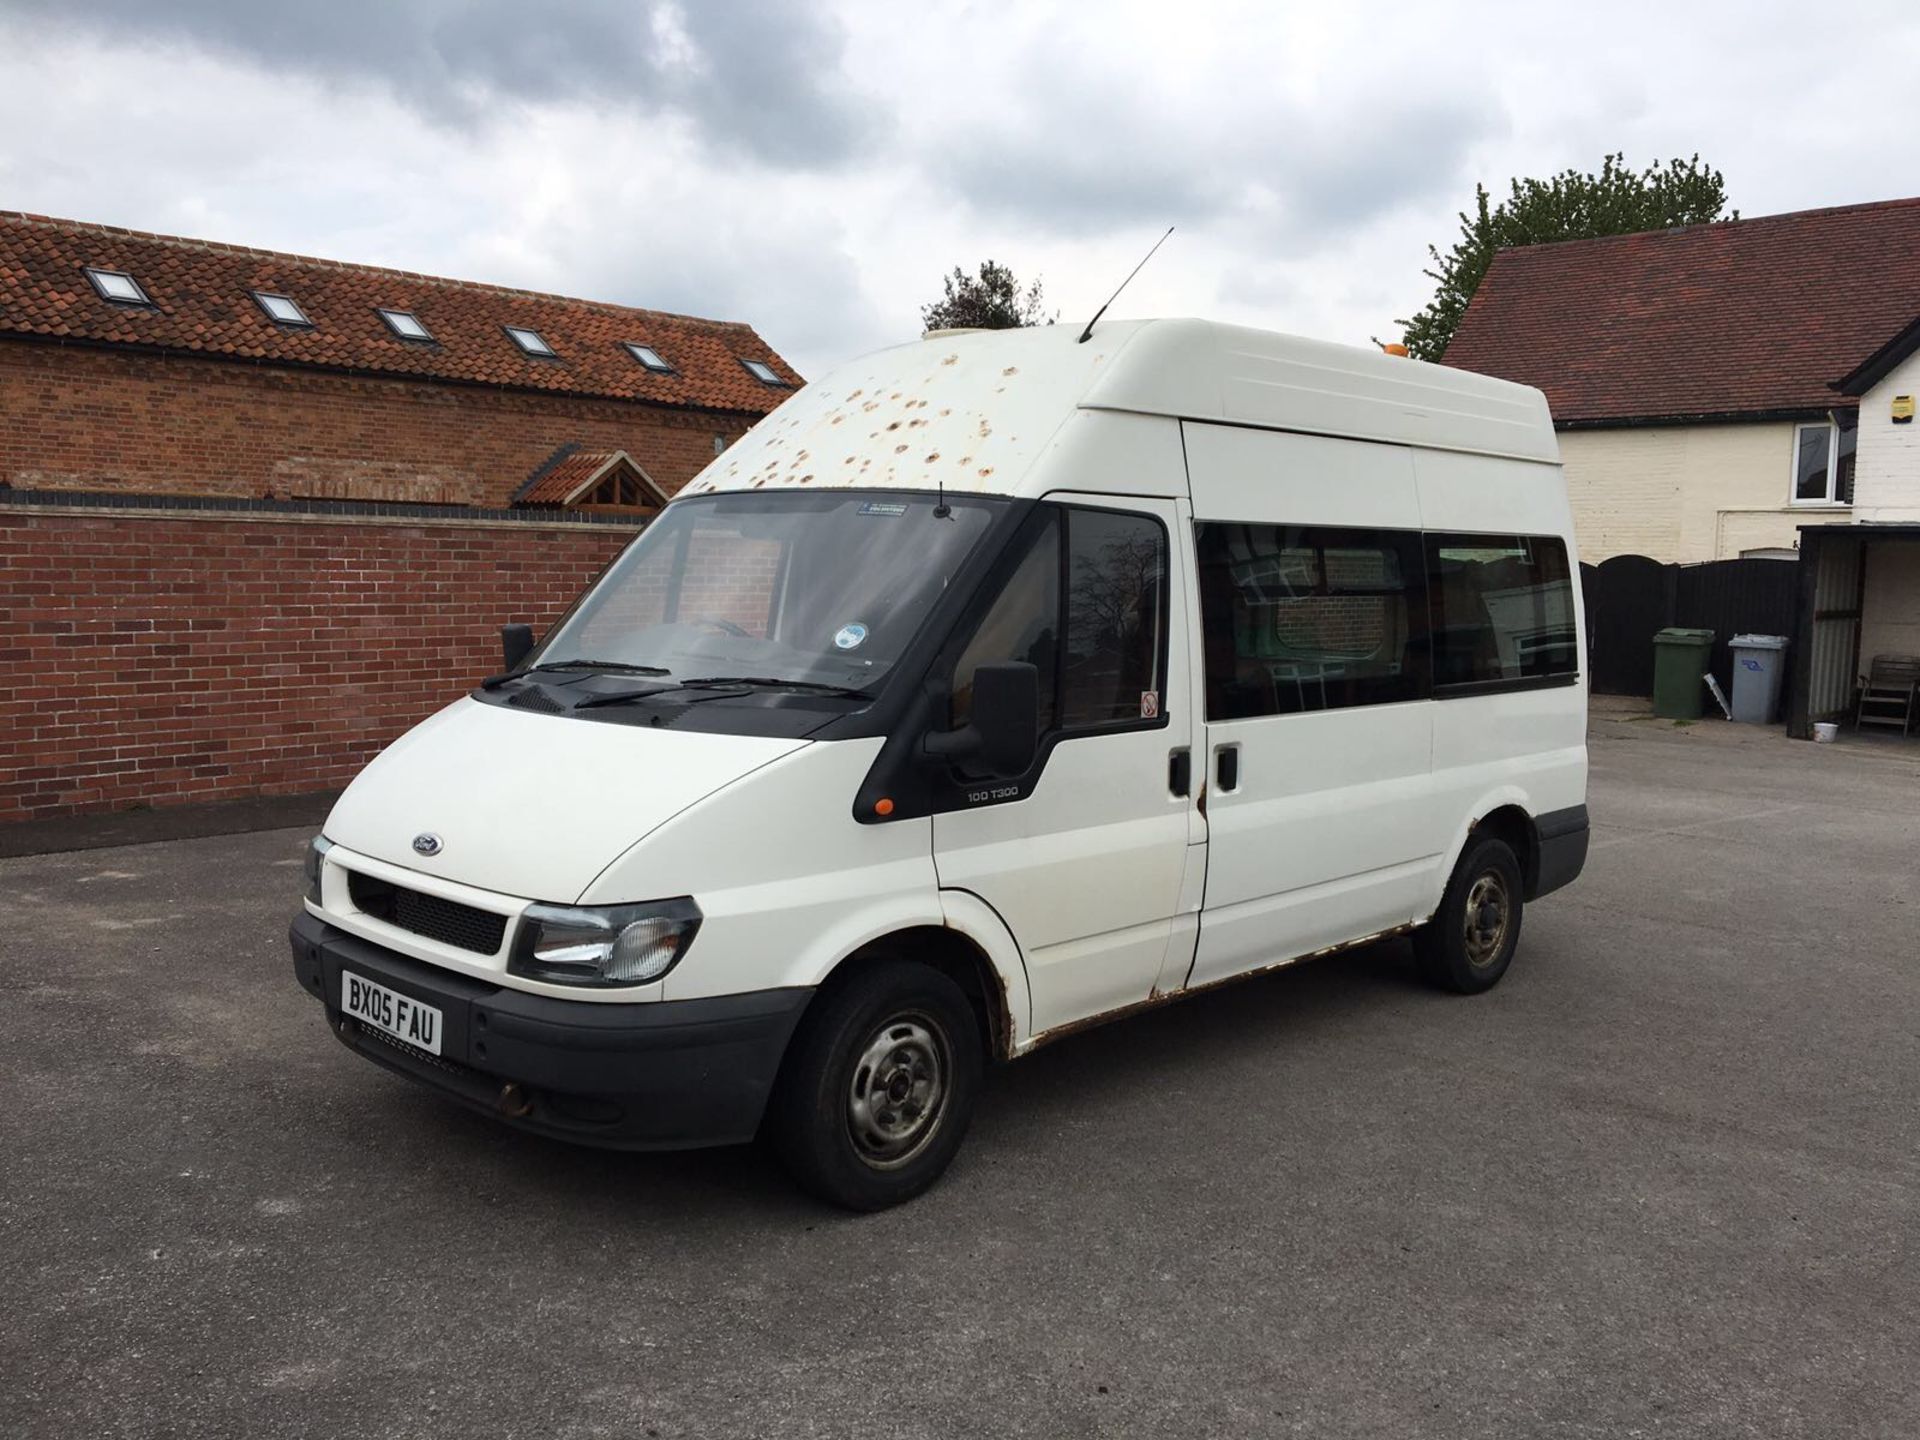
x=1149 y=704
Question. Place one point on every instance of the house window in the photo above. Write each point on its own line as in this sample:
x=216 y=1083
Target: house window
x=117 y=286
x=649 y=357
x=530 y=341
x=406 y=325
x=282 y=309
x=1823 y=461
x=763 y=372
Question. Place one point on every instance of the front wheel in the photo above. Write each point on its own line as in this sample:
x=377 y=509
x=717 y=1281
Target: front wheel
x=879 y=1086
x=1469 y=943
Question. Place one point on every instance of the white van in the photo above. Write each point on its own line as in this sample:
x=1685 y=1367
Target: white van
x=994 y=685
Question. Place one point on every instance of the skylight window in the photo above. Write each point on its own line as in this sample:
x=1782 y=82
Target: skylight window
x=763 y=372
x=529 y=340
x=117 y=286
x=406 y=325
x=282 y=308
x=649 y=357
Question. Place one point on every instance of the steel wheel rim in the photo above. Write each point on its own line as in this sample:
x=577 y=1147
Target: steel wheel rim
x=1489 y=917
x=897 y=1095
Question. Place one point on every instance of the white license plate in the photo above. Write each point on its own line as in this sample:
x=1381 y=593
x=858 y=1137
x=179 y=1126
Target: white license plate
x=388 y=1010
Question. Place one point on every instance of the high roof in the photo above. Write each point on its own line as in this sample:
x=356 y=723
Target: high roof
x=1744 y=318
x=203 y=302
x=975 y=412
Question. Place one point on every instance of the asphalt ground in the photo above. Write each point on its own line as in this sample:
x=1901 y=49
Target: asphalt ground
x=1662 y=1181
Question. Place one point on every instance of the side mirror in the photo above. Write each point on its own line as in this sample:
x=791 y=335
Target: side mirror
x=516 y=643
x=1005 y=730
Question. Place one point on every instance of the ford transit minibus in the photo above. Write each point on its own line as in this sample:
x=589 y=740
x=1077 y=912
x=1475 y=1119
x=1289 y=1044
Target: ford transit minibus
x=992 y=686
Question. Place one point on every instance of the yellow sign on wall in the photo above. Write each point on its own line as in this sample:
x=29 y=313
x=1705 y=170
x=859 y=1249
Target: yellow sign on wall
x=1902 y=409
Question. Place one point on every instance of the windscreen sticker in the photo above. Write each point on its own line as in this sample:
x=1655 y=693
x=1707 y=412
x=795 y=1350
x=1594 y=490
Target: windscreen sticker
x=850 y=637
x=1149 y=704
x=883 y=507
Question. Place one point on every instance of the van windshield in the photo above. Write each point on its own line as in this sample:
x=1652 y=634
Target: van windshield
x=826 y=589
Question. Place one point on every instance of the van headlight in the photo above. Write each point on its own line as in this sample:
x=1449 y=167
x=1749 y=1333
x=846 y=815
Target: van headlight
x=603 y=944
x=316 y=862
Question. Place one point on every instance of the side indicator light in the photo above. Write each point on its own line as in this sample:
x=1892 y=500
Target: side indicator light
x=883 y=806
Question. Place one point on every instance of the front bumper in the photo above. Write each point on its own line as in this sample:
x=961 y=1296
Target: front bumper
x=654 y=1075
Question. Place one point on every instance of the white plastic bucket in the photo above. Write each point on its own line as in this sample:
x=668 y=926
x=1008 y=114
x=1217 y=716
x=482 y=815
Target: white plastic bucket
x=1824 y=731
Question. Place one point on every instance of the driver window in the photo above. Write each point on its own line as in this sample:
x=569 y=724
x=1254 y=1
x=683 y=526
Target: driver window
x=1024 y=624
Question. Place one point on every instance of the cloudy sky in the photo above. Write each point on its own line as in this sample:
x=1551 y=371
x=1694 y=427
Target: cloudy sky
x=813 y=168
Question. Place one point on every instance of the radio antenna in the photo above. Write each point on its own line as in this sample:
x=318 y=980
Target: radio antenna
x=1087 y=333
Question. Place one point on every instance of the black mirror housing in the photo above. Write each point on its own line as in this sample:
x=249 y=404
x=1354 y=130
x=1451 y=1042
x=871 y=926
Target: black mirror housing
x=516 y=643
x=1004 y=733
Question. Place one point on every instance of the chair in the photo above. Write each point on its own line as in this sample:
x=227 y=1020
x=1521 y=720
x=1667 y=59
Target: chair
x=1889 y=694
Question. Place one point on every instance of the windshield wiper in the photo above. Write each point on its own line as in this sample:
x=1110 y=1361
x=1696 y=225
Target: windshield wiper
x=721 y=683
x=708 y=682
x=494 y=682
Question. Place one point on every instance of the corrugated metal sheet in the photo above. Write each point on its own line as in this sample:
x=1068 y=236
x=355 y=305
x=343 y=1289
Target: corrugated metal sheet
x=1836 y=627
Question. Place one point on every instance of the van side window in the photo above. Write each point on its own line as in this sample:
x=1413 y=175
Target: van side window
x=1298 y=618
x=1502 y=609
x=1024 y=624
x=1116 y=619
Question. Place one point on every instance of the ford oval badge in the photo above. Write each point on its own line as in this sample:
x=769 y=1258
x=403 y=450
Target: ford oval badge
x=426 y=843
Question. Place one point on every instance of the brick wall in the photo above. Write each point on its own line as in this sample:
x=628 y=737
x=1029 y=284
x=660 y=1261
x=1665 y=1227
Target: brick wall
x=168 y=657
x=73 y=418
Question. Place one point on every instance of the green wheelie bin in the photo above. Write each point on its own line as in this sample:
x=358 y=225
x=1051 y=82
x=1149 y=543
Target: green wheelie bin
x=1679 y=662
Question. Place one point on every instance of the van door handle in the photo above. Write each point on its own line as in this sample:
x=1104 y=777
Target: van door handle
x=1180 y=771
x=1226 y=763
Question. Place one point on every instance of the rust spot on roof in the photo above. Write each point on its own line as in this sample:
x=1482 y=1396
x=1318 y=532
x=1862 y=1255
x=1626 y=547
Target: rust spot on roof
x=838 y=418
x=985 y=471
x=985 y=428
x=805 y=478
x=899 y=449
x=933 y=457
x=893 y=425
x=1011 y=370
x=856 y=395
x=951 y=360
x=945 y=413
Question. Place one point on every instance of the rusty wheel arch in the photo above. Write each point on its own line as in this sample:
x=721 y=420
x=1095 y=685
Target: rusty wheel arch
x=1515 y=826
x=956 y=957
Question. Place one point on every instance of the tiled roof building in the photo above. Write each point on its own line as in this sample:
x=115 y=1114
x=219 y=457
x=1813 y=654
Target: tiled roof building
x=1743 y=318
x=150 y=363
x=1699 y=376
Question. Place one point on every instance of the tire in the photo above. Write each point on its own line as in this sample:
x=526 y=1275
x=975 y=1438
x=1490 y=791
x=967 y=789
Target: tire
x=878 y=1086
x=1470 y=941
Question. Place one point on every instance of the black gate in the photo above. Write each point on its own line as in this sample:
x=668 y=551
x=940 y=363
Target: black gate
x=1631 y=597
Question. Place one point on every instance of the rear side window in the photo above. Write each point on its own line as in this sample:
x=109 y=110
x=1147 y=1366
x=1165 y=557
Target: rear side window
x=1087 y=607
x=1299 y=618
x=1502 y=609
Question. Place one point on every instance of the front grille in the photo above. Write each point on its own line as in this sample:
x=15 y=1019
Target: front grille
x=447 y=921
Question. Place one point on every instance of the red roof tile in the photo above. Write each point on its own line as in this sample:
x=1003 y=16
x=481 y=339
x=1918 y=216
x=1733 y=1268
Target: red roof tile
x=1740 y=318
x=202 y=303
x=570 y=469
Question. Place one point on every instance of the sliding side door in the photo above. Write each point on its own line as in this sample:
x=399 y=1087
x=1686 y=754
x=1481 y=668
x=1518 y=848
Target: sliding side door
x=1318 y=731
